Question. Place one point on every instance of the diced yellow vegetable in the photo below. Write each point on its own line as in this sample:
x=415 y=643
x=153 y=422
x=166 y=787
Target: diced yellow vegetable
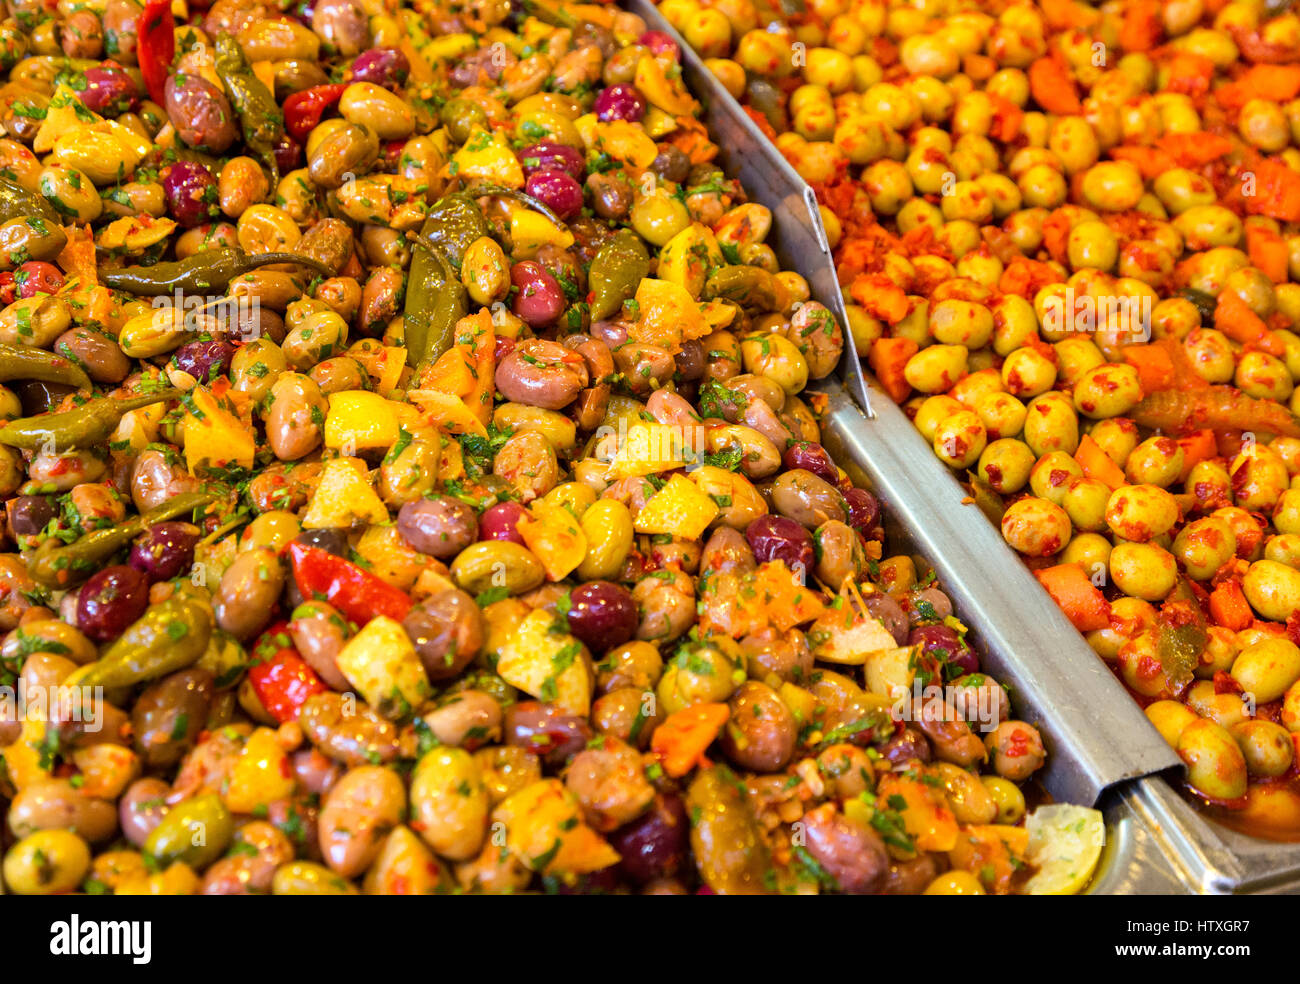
x=64 y=114
x=449 y=46
x=802 y=703
x=488 y=156
x=381 y=662
x=530 y=231
x=361 y=421
x=667 y=315
x=261 y=774
x=923 y=810
x=657 y=123
x=448 y=412
x=344 y=497
x=626 y=142
x=138 y=427
x=554 y=535
x=25 y=760
x=890 y=672
x=214 y=437
x=849 y=637
x=679 y=508
x=546 y=664
x=546 y=832
x=667 y=94
x=390 y=375
x=134 y=234
x=717 y=314
x=586 y=127
x=687 y=258
x=405 y=867
x=650 y=447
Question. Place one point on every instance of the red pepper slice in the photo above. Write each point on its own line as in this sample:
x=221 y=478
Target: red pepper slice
x=155 y=47
x=303 y=110
x=281 y=678
x=358 y=594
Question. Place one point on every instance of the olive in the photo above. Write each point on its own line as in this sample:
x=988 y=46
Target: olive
x=602 y=614
x=165 y=550
x=110 y=601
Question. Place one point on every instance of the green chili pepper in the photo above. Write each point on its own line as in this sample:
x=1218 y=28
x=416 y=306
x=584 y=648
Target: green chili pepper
x=203 y=273
x=17 y=362
x=58 y=565
x=168 y=637
x=435 y=301
x=259 y=115
x=16 y=202
x=616 y=271
x=435 y=297
x=84 y=427
x=751 y=287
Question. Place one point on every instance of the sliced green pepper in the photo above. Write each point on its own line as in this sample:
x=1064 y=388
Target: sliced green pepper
x=168 y=637
x=617 y=270
x=17 y=362
x=207 y=272
x=259 y=115
x=84 y=427
x=58 y=565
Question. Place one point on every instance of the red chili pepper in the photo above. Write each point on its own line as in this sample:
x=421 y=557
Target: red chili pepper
x=8 y=287
x=303 y=110
x=281 y=678
x=155 y=47
x=358 y=594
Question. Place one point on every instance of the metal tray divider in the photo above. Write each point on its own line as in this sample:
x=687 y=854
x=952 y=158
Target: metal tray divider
x=798 y=237
x=1096 y=734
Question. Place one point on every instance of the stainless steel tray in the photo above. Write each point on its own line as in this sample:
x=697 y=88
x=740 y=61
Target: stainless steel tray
x=797 y=236
x=1102 y=748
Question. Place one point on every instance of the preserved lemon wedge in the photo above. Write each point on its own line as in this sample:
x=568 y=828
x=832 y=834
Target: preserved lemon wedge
x=1065 y=843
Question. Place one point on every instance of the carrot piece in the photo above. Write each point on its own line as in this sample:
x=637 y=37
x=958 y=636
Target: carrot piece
x=1235 y=319
x=1097 y=464
x=888 y=358
x=1194 y=149
x=1197 y=447
x=1154 y=365
x=882 y=298
x=1141 y=29
x=1277 y=192
x=1083 y=604
x=1277 y=83
x=1269 y=252
x=1189 y=74
x=1229 y=608
x=1052 y=87
x=1151 y=161
x=684 y=736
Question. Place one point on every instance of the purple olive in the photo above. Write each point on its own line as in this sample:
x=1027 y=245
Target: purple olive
x=620 y=102
x=110 y=90
x=660 y=43
x=191 y=192
x=781 y=538
x=546 y=731
x=330 y=540
x=382 y=66
x=557 y=190
x=440 y=527
x=29 y=514
x=654 y=844
x=905 y=746
x=811 y=456
x=500 y=522
x=288 y=154
x=864 y=510
x=944 y=643
x=602 y=882
x=205 y=359
x=539 y=300
x=165 y=550
x=110 y=601
x=602 y=614
x=548 y=156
